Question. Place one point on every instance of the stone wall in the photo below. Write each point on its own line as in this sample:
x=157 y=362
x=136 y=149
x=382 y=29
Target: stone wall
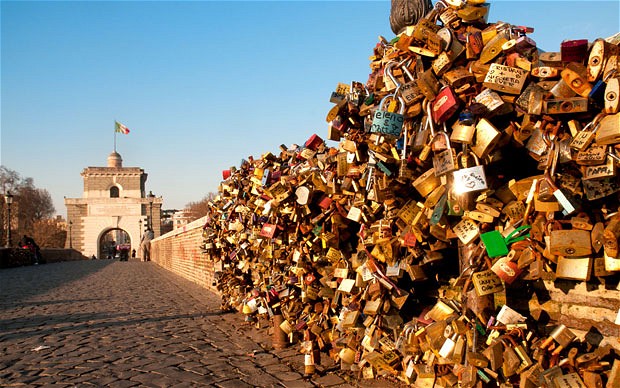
x=179 y=251
x=17 y=257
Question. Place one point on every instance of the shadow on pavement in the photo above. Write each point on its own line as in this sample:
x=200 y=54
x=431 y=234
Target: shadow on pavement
x=17 y=284
x=64 y=324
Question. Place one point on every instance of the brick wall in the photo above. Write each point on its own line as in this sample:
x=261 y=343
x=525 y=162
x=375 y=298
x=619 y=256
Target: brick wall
x=179 y=251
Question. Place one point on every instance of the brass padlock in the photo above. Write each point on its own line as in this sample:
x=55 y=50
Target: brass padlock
x=426 y=182
x=592 y=155
x=599 y=54
x=608 y=131
x=463 y=129
x=612 y=91
x=574 y=74
x=505 y=79
x=487 y=136
x=493 y=47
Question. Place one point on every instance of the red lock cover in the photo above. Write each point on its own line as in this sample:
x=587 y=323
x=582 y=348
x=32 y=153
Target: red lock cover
x=444 y=105
x=268 y=230
x=574 y=50
x=314 y=142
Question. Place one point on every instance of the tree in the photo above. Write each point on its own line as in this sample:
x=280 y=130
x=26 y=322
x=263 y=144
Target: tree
x=33 y=205
x=30 y=206
x=198 y=209
x=50 y=233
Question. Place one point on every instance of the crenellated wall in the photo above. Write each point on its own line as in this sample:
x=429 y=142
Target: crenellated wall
x=179 y=251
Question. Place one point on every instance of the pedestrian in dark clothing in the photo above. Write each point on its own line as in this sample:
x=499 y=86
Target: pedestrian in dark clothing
x=28 y=243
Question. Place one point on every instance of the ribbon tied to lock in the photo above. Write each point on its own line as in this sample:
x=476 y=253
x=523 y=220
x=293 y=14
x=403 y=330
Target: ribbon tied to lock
x=496 y=245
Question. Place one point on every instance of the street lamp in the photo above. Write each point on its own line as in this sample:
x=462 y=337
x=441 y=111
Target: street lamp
x=8 y=198
x=140 y=222
x=151 y=198
x=70 y=235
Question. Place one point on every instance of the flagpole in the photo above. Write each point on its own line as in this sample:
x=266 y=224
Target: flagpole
x=115 y=136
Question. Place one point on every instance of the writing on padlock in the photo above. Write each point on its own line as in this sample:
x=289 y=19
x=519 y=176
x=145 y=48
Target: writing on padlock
x=388 y=123
x=469 y=179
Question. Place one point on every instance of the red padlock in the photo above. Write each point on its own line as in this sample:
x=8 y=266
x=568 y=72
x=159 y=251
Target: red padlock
x=444 y=105
x=574 y=50
x=506 y=270
x=314 y=142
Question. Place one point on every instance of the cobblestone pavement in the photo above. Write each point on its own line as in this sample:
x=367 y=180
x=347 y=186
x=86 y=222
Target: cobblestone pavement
x=126 y=324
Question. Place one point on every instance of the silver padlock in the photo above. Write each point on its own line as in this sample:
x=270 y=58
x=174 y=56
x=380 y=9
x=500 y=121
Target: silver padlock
x=469 y=179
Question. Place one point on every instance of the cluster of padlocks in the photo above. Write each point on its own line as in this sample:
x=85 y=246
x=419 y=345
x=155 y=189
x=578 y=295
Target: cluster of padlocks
x=469 y=163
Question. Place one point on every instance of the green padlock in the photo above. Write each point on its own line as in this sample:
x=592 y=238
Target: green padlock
x=496 y=245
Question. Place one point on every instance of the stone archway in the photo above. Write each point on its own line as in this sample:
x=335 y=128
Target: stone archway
x=114 y=243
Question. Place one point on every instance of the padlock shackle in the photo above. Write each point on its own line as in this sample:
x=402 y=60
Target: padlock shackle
x=426 y=104
x=387 y=70
x=401 y=102
x=609 y=75
x=445 y=134
x=465 y=154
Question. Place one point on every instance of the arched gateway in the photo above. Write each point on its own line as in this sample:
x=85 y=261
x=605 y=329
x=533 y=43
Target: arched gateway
x=114 y=209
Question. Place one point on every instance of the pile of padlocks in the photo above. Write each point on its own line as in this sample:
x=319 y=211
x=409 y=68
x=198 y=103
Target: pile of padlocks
x=468 y=163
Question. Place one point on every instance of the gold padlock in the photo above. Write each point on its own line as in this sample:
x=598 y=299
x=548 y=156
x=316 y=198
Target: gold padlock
x=608 y=131
x=487 y=136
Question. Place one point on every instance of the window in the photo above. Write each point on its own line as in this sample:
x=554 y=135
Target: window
x=114 y=192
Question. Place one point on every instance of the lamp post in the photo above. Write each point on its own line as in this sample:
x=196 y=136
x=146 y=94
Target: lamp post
x=70 y=235
x=151 y=198
x=8 y=198
x=140 y=228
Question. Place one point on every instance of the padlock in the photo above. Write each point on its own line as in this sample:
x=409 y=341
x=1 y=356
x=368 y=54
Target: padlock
x=444 y=105
x=608 y=131
x=599 y=54
x=612 y=90
x=570 y=243
x=497 y=245
x=428 y=85
x=565 y=105
x=605 y=170
x=559 y=89
x=574 y=75
x=459 y=78
x=574 y=50
x=505 y=79
x=584 y=138
x=388 y=123
x=463 y=129
x=492 y=101
x=562 y=335
x=592 y=155
x=574 y=268
x=469 y=179
x=340 y=94
x=445 y=161
x=487 y=136
x=493 y=47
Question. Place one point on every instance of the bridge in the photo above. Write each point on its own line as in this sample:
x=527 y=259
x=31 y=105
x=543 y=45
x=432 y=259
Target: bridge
x=125 y=324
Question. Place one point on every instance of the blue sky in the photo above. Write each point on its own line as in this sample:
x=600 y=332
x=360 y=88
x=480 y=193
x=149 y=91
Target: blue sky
x=201 y=84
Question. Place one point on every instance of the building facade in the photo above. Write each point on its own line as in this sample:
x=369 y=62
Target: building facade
x=114 y=210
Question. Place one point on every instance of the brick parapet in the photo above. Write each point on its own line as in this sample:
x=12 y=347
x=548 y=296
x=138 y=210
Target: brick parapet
x=179 y=251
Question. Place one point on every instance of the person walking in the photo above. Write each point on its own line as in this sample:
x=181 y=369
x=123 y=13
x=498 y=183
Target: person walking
x=145 y=245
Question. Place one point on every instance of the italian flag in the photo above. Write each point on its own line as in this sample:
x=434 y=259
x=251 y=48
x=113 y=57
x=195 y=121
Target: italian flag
x=118 y=127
